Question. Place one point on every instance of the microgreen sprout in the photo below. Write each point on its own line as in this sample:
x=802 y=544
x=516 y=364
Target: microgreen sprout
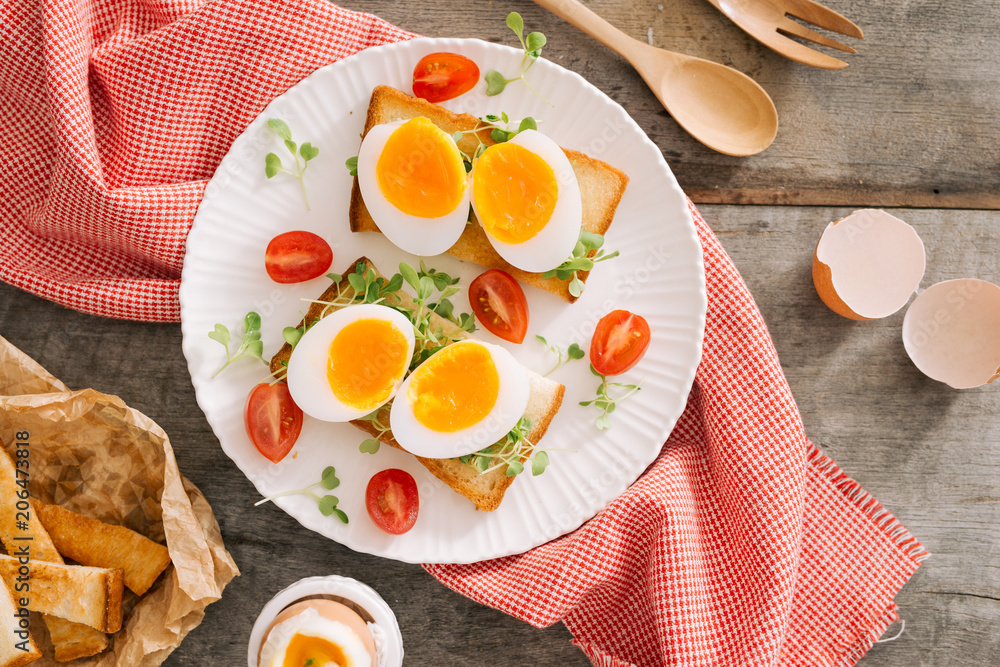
x=327 y=503
x=532 y=45
x=574 y=351
x=581 y=260
x=352 y=165
x=371 y=445
x=605 y=402
x=250 y=346
x=498 y=133
x=272 y=163
x=508 y=451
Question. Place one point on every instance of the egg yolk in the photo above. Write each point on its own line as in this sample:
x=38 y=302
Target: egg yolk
x=454 y=389
x=515 y=192
x=366 y=360
x=309 y=650
x=420 y=170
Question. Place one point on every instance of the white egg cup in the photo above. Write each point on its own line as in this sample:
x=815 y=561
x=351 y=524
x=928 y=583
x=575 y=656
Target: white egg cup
x=350 y=592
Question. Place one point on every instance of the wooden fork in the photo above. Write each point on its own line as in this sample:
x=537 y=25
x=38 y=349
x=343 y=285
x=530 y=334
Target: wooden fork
x=772 y=21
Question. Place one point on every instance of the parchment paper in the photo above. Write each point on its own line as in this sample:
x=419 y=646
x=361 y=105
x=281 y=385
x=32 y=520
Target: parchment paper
x=93 y=454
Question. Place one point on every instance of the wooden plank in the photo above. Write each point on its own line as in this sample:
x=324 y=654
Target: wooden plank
x=911 y=121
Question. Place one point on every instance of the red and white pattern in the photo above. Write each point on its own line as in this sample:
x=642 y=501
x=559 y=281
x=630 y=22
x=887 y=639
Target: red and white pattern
x=741 y=545
x=117 y=113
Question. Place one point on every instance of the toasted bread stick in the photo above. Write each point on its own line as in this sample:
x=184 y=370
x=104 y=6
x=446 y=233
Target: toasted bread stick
x=69 y=640
x=17 y=647
x=78 y=593
x=91 y=542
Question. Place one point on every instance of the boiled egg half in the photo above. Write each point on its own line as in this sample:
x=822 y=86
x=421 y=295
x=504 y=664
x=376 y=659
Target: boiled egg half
x=527 y=199
x=350 y=362
x=463 y=398
x=319 y=633
x=414 y=184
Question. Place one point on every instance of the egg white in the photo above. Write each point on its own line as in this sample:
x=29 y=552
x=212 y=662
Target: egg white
x=554 y=244
x=512 y=399
x=307 y=367
x=416 y=235
x=313 y=624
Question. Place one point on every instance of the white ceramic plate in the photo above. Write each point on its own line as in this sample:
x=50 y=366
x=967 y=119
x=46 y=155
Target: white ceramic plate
x=659 y=276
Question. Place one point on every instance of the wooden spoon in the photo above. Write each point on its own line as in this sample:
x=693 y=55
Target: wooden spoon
x=722 y=108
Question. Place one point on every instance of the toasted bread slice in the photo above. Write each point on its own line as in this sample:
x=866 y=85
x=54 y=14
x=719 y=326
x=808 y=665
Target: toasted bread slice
x=69 y=640
x=74 y=640
x=485 y=490
x=89 y=595
x=16 y=644
x=91 y=542
x=601 y=185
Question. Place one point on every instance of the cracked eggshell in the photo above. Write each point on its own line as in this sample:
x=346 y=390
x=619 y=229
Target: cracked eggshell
x=868 y=264
x=952 y=332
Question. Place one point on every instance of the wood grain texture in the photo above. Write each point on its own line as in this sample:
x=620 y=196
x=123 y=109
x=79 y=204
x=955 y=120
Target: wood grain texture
x=911 y=122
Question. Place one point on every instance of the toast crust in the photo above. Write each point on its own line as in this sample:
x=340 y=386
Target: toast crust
x=601 y=186
x=485 y=490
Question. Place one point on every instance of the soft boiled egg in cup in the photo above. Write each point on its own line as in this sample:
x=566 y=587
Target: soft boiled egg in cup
x=324 y=621
x=413 y=180
x=351 y=362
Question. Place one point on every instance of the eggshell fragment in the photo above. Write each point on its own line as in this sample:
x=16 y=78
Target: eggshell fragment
x=868 y=264
x=952 y=332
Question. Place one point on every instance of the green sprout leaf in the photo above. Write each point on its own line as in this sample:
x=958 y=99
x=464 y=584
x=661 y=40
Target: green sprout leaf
x=352 y=165
x=280 y=128
x=532 y=47
x=327 y=504
x=308 y=151
x=587 y=252
x=250 y=346
x=329 y=479
x=272 y=163
x=604 y=401
x=495 y=83
x=370 y=446
x=572 y=353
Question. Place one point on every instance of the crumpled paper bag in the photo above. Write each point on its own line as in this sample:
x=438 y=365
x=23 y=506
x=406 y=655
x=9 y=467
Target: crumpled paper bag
x=93 y=454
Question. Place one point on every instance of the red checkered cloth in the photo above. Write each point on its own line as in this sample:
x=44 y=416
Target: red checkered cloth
x=741 y=545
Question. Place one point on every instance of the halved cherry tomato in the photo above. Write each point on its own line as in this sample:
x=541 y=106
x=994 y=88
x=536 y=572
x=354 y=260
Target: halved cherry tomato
x=499 y=304
x=392 y=500
x=272 y=420
x=620 y=340
x=442 y=76
x=294 y=257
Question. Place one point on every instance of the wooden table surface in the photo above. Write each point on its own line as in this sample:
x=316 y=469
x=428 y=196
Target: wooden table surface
x=911 y=124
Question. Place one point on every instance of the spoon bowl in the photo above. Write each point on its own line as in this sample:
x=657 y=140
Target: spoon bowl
x=719 y=106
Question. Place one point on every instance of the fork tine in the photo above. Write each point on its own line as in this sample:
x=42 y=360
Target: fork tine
x=823 y=17
x=787 y=25
x=801 y=53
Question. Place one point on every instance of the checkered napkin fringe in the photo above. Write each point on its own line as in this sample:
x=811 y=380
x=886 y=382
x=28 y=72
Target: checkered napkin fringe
x=741 y=544
x=116 y=114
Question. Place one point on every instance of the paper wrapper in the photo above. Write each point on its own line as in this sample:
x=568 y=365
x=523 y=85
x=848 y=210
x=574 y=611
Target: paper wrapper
x=94 y=455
